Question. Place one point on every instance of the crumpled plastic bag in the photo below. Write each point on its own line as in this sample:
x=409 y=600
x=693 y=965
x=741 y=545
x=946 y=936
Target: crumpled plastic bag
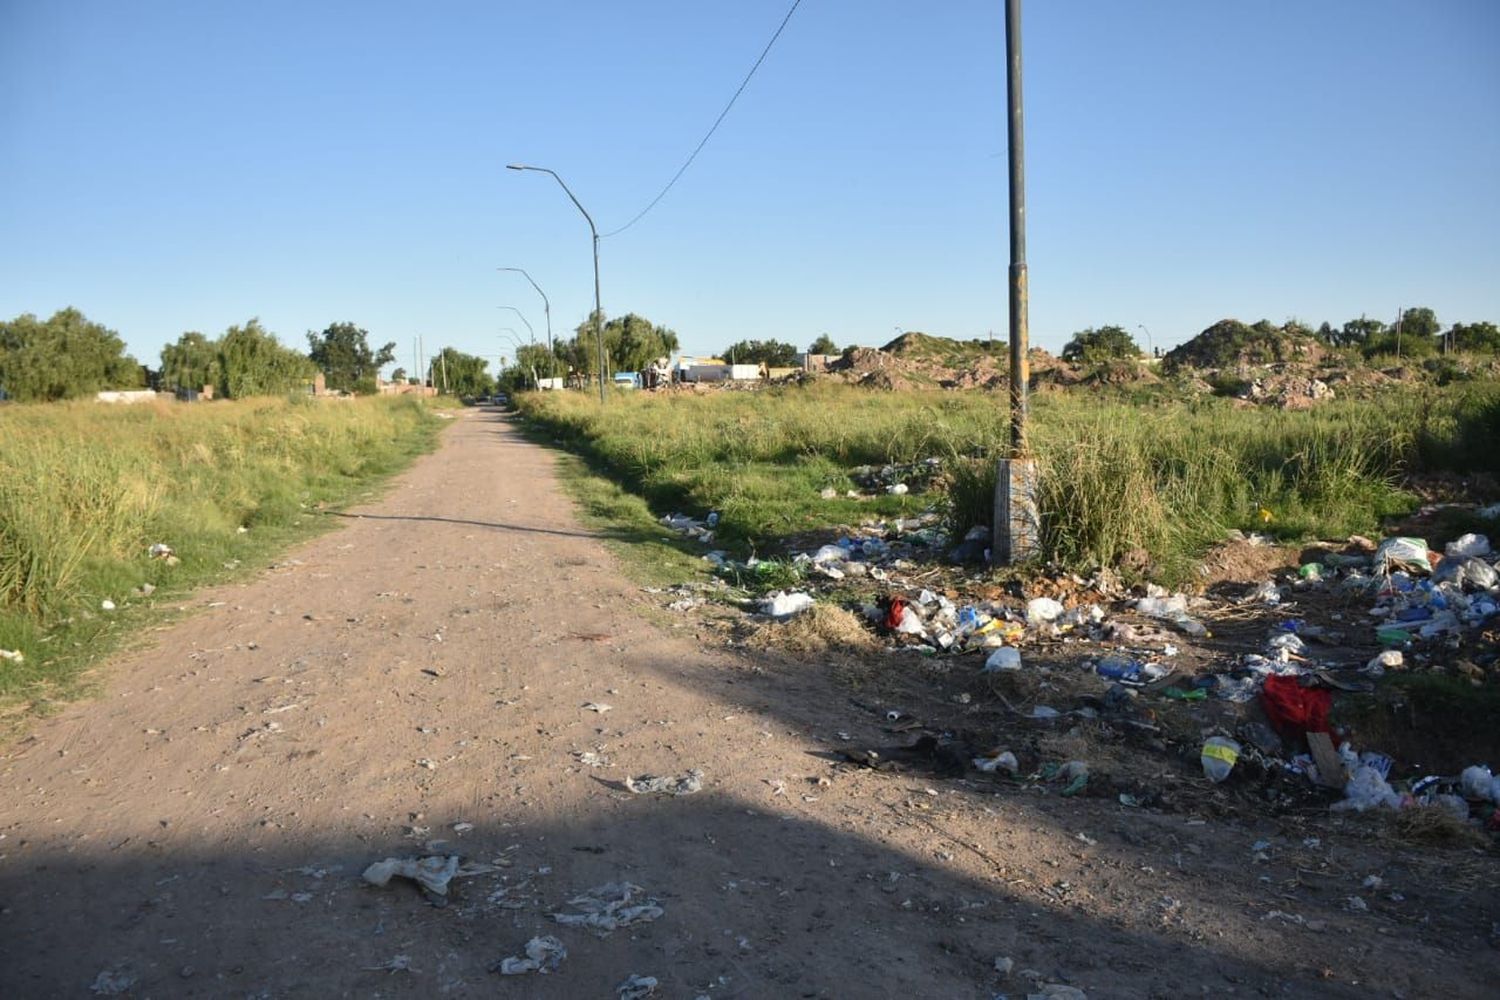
x=1402 y=553
x=432 y=873
x=1367 y=790
x=607 y=908
x=543 y=954
x=1469 y=573
x=1477 y=783
x=830 y=554
x=784 y=605
x=1468 y=545
x=637 y=988
x=1041 y=610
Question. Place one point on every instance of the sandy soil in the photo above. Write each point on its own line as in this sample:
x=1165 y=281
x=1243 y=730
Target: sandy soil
x=200 y=828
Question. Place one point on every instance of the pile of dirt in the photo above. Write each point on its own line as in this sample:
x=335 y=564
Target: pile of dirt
x=1229 y=342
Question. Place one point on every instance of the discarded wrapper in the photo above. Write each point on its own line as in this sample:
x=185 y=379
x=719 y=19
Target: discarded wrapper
x=648 y=784
x=543 y=954
x=606 y=908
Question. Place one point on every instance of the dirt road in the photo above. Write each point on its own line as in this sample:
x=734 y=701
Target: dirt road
x=421 y=674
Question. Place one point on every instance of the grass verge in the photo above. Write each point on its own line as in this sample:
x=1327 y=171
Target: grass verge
x=87 y=490
x=1146 y=484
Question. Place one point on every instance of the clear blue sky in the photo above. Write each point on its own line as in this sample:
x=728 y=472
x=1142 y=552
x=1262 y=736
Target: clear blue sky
x=185 y=166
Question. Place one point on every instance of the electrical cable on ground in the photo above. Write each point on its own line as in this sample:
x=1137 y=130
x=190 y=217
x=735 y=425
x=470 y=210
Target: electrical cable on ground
x=694 y=155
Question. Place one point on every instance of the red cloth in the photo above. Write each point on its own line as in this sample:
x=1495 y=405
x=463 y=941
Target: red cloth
x=894 y=613
x=1293 y=709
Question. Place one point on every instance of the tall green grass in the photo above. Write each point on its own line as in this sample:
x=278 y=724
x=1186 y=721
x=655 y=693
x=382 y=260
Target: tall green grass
x=87 y=489
x=1162 y=479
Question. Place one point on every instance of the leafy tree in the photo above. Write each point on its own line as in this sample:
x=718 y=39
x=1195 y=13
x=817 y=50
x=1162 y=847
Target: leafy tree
x=1415 y=336
x=823 y=345
x=398 y=376
x=631 y=342
x=533 y=361
x=252 y=362
x=1359 y=332
x=191 y=363
x=771 y=353
x=343 y=353
x=1474 y=337
x=1107 y=343
x=1420 y=323
x=458 y=374
x=63 y=358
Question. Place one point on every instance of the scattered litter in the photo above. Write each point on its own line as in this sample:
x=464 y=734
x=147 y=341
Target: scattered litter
x=1367 y=790
x=1469 y=545
x=1218 y=757
x=543 y=954
x=607 y=908
x=1390 y=659
x=1402 y=553
x=1477 y=783
x=1057 y=991
x=897 y=489
x=999 y=762
x=1041 y=610
x=12 y=655
x=637 y=987
x=399 y=963
x=1003 y=659
x=784 y=605
x=1003 y=965
x=107 y=604
x=596 y=706
x=114 y=982
x=686 y=784
x=589 y=758
x=432 y=873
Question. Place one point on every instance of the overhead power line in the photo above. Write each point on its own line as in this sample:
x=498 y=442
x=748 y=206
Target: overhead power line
x=694 y=155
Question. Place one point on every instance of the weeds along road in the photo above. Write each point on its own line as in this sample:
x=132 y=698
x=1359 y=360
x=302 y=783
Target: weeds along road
x=420 y=675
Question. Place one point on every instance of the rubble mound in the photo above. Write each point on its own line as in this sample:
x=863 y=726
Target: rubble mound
x=1229 y=342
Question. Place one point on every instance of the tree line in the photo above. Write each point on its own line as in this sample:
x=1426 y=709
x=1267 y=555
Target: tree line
x=67 y=356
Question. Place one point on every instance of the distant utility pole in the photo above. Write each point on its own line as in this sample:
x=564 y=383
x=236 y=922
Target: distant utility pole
x=1400 y=314
x=422 y=359
x=416 y=360
x=443 y=357
x=1016 y=533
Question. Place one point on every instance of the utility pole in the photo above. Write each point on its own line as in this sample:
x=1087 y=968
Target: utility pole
x=416 y=360
x=1400 y=313
x=443 y=357
x=1016 y=534
x=421 y=359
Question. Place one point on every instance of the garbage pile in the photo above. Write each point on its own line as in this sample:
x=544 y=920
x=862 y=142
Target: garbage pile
x=1416 y=606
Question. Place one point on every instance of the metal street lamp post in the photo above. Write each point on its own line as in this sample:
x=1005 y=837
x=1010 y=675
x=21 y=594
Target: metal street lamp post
x=523 y=320
x=598 y=309
x=1150 y=344
x=1016 y=533
x=546 y=306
